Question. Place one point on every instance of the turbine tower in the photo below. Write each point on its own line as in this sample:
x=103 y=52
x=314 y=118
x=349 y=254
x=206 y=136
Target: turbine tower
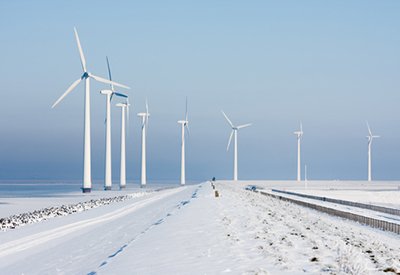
x=370 y=137
x=122 y=183
x=109 y=95
x=299 y=135
x=234 y=130
x=145 y=119
x=87 y=174
x=184 y=123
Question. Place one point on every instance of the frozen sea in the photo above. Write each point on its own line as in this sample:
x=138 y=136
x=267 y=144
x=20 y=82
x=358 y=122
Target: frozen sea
x=60 y=188
x=21 y=196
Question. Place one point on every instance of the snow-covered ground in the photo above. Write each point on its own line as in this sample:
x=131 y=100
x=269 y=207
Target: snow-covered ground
x=383 y=193
x=187 y=230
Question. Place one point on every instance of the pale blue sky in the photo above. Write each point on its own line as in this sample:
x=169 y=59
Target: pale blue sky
x=330 y=64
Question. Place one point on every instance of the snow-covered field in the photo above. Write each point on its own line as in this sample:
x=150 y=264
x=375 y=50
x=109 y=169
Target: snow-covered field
x=383 y=193
x=187 y=230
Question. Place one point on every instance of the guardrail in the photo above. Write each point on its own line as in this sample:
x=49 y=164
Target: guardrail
x=387 y=226
x=382 y=209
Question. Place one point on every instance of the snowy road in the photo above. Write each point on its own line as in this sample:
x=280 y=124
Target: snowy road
x=78 y=243
x=189 y=231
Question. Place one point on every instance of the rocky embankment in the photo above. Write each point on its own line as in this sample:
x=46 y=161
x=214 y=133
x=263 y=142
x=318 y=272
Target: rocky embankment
x=43 y=214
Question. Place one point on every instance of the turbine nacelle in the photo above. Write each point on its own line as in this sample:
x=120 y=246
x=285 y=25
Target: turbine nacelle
x=299 y=134
x=106 y=92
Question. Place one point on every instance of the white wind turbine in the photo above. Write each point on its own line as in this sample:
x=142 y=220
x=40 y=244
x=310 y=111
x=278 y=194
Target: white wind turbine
x=234 y=130
x=87 y=178
x=109 y=94
x=370 y=137
x=184 y=123
x=123 y=162
x=145 y=119
x=299 y=135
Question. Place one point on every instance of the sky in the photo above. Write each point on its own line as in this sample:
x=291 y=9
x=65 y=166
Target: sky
x=331 y=65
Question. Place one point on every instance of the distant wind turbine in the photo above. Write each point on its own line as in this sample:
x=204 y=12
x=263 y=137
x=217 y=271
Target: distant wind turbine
x=184 y=123
x=234 y=130
x=370 y=137
x=122 y=183
x=87 y=174
x=109 y=94
x=299 y=135
x=145 y=119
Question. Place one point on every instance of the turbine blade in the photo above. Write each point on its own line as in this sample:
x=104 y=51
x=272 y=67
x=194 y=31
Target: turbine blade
x=186 y=112
x=121 y=95
x=369 y=130
x=117 y=94
x=109 y=70
x=187 y=128
x=147 y=107
x=80 y=51
x=301 y=127
x=147 y=116
x=229 y=142
x=67 y=91
x=127 y=113
x=109 y=73
x=242 y=126
x=227 y=118
x=108 y=81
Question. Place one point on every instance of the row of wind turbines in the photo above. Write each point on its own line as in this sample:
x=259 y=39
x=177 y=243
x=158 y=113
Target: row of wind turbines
x=87 y=184
x=87 y=176
x=299 y=136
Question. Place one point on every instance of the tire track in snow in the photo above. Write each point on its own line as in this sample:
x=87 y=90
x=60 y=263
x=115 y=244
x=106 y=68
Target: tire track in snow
x=48 y=235
x=160 y=221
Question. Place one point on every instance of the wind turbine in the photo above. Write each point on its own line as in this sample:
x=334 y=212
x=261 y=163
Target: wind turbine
x=370 y=137
x=109 y=95
x=234 y=130
x=299 y=135
x=123 y=162
x=145 y=119
x=87 y=174
x=184 y=123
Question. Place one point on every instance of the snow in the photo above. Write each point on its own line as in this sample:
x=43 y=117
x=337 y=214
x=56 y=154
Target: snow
x=383 y=193
x=344 y=208
x=187 y=230
x=13 y=221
